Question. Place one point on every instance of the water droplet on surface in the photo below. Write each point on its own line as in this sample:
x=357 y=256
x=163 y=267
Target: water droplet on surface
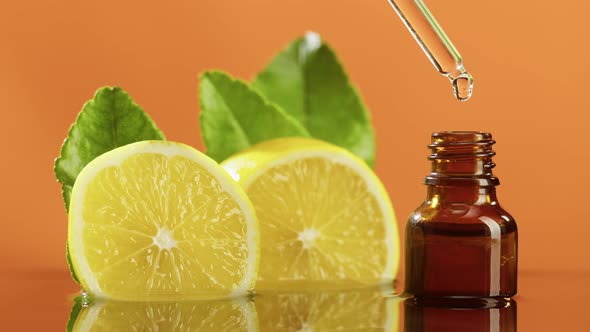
x=462 y=86
x=84 y=299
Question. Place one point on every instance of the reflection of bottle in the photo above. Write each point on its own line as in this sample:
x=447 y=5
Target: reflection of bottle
x=494 y=316
x=460 y=242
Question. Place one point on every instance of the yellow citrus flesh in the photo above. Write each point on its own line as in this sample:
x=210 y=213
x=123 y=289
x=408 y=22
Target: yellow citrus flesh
x=323 y=214
x=328 y=311
x=219 y=316
x=160 y=221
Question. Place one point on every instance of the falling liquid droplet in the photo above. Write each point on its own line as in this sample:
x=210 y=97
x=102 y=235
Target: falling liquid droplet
x=463 y=86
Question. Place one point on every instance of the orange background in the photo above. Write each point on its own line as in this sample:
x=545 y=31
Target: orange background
x=530 y=92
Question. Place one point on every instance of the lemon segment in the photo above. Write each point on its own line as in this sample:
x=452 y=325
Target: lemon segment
x=158 y=220
x=323 y=214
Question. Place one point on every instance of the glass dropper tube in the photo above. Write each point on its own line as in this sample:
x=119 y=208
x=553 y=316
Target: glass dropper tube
x=436 y=44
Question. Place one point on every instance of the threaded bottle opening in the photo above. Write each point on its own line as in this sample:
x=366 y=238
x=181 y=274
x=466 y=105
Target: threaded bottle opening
x=461 y=144
x=460 y=137
x=462 y=157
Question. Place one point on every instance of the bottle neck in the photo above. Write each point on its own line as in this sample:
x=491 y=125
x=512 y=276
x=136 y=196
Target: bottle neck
x=466 y=194
x=461 y=169
x=461 y=158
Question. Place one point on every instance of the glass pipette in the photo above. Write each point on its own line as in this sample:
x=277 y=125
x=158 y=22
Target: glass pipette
x=436 y=44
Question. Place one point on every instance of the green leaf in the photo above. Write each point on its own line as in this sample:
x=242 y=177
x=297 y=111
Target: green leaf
x=234 y=117
x=110 y=120
x=308 y=82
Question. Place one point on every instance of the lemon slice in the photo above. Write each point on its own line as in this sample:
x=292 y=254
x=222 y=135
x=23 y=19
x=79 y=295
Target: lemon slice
x=323 y=214
x=111 y=316
x=158 y=220
x=363 y=310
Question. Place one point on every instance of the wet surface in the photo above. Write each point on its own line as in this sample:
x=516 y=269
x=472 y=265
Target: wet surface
x=546 y=301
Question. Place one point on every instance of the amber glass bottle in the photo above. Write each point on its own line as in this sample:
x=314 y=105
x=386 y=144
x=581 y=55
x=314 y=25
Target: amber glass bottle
x=460 y=242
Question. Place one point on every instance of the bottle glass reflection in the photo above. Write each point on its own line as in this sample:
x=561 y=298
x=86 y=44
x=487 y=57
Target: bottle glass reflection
x=463 y=316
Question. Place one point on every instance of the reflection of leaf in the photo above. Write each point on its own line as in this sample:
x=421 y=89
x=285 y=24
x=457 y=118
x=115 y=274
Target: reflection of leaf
x=218 y=315
x=358 y=310
x=234 y=117
x=74 y=314
x=308 y=82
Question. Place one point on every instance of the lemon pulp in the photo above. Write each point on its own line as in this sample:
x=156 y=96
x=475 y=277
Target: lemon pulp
x=323 y=214
x=159 y=221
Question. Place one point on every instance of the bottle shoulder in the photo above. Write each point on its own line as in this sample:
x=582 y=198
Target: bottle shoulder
x=447 y=215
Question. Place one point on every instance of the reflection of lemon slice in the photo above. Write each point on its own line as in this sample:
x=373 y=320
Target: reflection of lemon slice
x=328 y=311
x=218 y=316
x=323 y=214
x=159 y=220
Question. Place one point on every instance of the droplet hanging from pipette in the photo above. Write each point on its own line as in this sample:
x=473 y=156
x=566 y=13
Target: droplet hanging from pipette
x=436 y=44
x=462 y=86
